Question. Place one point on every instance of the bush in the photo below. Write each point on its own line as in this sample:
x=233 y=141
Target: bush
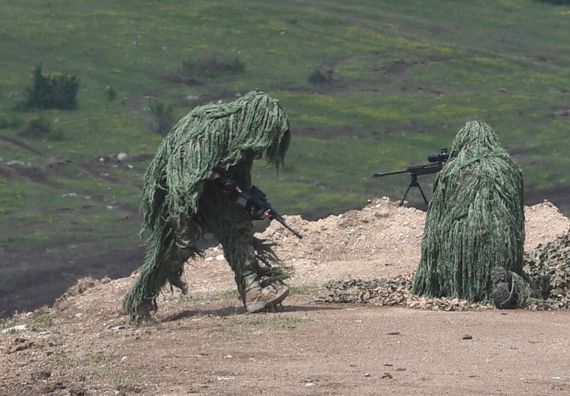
x=318 y=77
x=51 y=91
x=556 y=2
x=210 y=66
x=162 y=117
x=39 y=127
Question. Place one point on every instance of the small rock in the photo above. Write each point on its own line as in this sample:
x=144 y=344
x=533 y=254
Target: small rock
x=467 y=337
x=387 y=375
x=14 y=329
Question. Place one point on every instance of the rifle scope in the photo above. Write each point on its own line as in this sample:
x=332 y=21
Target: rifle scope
x=442 y=156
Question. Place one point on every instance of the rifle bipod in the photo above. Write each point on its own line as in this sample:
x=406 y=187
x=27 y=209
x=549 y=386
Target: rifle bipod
x=414 y=183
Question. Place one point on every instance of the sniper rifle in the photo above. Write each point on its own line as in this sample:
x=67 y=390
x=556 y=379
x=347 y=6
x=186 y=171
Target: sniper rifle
x=436 y=164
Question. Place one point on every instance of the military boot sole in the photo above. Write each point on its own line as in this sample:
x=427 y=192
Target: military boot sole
x=501 y=292
x=261 y=305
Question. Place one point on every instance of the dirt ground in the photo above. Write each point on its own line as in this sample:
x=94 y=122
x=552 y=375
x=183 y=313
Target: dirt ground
x=203 y=343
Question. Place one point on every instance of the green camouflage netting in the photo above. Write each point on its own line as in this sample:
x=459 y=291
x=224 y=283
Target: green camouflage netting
x=548 y=267
x=475 y=219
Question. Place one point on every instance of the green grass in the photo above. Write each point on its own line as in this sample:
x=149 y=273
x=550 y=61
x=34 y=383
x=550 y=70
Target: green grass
x=275 y=321
x=406 y=77
x=41 y=322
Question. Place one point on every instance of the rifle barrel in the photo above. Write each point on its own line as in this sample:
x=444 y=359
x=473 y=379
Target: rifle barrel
x=425 y=169
x=281 y=221
x=381 y=174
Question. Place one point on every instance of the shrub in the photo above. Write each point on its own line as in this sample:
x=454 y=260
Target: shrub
x=318 y=77
x=51 y=91
x=39 y=127
x=162 y=116
x=210 y=66
x=556 y=2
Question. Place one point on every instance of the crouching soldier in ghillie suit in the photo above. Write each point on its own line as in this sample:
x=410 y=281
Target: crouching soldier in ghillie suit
x=474 y=233
x=191 y=187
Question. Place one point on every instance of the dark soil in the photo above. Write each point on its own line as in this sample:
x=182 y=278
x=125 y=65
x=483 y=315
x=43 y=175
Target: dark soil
x=41 y=285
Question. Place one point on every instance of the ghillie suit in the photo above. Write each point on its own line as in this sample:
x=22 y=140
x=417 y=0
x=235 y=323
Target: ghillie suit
x=474 y=233
x=181 y=201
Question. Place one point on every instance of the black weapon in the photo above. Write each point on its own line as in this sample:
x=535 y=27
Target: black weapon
x=253 y=200
x=435 y=165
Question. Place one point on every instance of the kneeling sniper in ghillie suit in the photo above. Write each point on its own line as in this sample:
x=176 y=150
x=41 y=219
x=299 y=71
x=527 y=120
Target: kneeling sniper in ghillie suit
x=474 y=233
x=190 y=189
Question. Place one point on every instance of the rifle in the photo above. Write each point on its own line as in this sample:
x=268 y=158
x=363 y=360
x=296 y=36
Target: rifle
x=417 y=170
x=253 y=200
x=435 y=165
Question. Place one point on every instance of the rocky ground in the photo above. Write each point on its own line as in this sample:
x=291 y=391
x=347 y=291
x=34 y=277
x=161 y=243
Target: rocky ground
x=203 y=343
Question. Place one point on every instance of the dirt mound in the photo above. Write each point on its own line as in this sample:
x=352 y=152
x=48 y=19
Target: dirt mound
x=549 y=263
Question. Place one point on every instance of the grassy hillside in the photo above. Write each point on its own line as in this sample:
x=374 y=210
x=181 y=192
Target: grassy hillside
x=400 y=79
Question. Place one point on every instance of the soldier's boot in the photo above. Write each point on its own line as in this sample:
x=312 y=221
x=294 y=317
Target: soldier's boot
x=502 y=287
x=177 y=269
x=257 y=298
x=143 y=313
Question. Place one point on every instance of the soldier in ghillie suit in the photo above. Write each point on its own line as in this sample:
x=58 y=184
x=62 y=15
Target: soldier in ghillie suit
x=190 y=188
x=474 y=233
